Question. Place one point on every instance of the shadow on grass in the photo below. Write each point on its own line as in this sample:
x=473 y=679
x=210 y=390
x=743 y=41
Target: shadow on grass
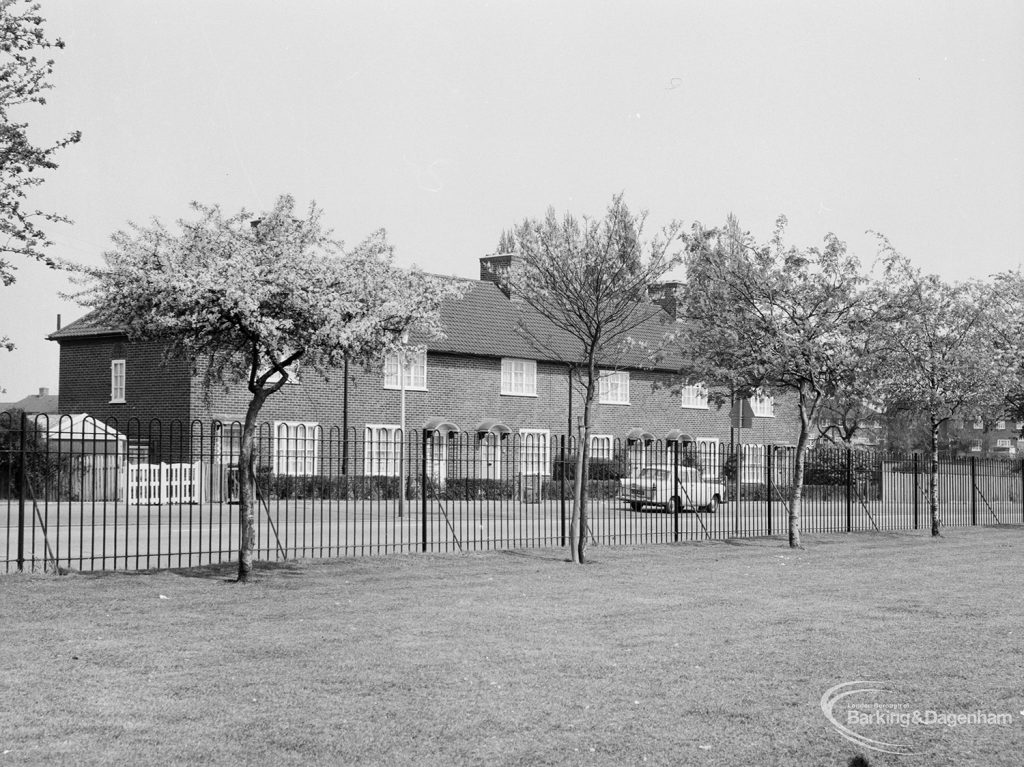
x=221 y=571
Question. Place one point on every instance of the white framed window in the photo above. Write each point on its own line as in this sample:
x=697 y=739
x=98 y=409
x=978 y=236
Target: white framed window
x=117 y=389
x=763 y=404
x=613 y=387
x=415 y=370
x=1000 y=425
x=753 y=459
x=975 y=445
x=382 y=449
x=534 y=452
x=978 y=424
x=602 y=446
x=518 y=377
x=295 y=448
x=1019 y=425
x=1004 y=443
x=694 y=396
x=227 y=442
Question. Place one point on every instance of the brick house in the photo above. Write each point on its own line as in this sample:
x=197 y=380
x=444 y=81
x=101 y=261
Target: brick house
x=484 y=378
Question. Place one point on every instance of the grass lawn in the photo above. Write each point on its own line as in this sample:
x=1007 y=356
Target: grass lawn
x=711 y=653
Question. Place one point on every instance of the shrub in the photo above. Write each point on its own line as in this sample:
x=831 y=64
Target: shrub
x=600 y=468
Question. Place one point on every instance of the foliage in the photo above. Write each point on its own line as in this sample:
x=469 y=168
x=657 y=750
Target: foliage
x=506 y=242
x=779 y=319
x=49 y=475
x=598 y=468
x=248 y=300
x=949 y=353
x=251 y=299
x=338 y=487
x=24 y=78
x=946 y=359
x=1008 y=305
x=590 y=279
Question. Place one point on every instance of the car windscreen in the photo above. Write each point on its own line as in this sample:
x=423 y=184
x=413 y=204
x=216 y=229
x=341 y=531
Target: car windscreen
x=656 y=475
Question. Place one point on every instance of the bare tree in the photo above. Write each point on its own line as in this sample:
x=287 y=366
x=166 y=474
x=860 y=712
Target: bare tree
x=590 y=278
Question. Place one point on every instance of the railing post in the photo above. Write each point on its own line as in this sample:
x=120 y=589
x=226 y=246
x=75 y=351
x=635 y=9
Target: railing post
x=849 y=490
x=423 y=491
x=1022 y=490
x=561 y=483
x=22 y=488
x=769 y=483
x=917 y=491
x=675 y=489
x=974 y=492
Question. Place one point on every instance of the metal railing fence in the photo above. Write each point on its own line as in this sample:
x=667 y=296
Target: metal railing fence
x=83 y=494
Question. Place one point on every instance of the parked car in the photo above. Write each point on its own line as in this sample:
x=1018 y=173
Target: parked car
x=653 y=487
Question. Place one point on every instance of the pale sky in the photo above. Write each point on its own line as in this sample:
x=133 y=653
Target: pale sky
x=446 y=122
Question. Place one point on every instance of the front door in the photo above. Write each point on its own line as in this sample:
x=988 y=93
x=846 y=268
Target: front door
x=490 y=456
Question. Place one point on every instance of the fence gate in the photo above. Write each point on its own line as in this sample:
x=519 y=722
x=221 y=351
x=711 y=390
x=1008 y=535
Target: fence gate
x=154 y=483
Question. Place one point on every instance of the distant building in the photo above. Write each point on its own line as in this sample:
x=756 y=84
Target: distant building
x=42 y=403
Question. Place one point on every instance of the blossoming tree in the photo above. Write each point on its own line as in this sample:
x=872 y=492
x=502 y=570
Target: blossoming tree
x=247 y=298
x=773 y=316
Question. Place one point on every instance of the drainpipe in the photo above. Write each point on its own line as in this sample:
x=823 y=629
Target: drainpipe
x=568 y=427
x=344 y=421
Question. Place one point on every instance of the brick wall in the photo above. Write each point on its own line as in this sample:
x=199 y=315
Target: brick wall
x=465 y=390
x=460 y=389
x=152 y=390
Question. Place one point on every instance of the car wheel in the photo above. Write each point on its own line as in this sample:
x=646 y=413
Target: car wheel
x=635 y=505
x=712 y=507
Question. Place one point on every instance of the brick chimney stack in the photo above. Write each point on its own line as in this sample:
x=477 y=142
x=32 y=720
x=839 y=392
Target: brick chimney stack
x=492 y=267
x=664 y=295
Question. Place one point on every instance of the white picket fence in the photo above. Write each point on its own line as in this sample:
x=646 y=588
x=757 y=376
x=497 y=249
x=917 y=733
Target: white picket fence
x=153 y=483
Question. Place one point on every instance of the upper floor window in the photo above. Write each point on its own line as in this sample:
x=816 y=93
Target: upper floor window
x=117 y=380
x=978 y=424
x=695 y=396
x=519 y=377
x=1000 y=425
x=763 y=404
x=415 y=370
x=295 y=448
x=613 y=387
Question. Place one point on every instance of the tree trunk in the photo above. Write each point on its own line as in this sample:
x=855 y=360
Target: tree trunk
x=933 y=478
x=578 y=537
x=247 y=489
x=578 y=495
x=796 y=492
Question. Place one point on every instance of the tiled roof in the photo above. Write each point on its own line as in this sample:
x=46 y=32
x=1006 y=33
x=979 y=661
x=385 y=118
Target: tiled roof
x=484 y=322
x=33 y=403
x=82 y=328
